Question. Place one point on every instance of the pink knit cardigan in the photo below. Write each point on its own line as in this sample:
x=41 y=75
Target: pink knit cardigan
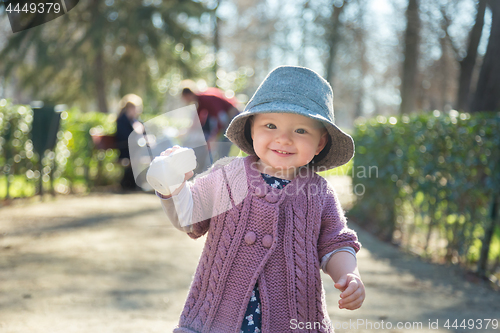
x=274 y=237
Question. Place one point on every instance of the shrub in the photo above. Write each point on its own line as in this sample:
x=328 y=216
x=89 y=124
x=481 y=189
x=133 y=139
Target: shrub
x=72 y=166
x=16 y=148
x=77 y=162
x=437 y=176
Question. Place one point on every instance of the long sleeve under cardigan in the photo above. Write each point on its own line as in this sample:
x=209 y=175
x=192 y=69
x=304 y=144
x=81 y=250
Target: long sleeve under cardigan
x=258 y=233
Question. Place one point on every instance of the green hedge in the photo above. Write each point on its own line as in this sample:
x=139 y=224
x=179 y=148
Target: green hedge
x=79 y=164
x=16 y=149
x=432 y=182
x=72 y=167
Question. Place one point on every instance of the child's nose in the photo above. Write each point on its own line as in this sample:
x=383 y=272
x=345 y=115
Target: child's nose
x=283 y=138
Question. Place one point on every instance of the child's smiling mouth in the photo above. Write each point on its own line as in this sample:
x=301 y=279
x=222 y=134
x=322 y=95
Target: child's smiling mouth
x=281 y=152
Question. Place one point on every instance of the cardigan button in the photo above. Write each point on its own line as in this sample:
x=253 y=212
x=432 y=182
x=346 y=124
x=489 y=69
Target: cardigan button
x=267 y=241
x=272 y=197
x=261 y=190
x=250 y=237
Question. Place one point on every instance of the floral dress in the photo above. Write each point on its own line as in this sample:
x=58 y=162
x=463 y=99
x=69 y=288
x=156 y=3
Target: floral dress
x=253 y=317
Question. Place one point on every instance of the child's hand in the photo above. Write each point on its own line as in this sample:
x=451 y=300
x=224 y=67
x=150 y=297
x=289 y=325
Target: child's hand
x=167 y=175
x=353 y=291
x=187 y=175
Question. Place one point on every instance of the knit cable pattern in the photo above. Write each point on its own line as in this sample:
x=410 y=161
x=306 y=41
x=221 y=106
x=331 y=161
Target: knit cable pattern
x=291 y=233
x=299 y=249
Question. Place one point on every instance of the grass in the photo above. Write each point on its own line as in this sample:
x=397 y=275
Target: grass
x=20 y=187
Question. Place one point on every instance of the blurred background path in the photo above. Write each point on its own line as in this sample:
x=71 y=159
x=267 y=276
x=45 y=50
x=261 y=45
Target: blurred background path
x=112 y=263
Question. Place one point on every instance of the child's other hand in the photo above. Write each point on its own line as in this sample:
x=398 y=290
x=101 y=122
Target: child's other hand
x=353 y=291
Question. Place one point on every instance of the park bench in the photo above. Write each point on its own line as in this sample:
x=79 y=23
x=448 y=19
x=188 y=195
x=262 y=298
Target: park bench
x=101 y=143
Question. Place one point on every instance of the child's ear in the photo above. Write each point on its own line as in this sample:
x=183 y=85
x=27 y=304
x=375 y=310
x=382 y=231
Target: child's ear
x=322 y=142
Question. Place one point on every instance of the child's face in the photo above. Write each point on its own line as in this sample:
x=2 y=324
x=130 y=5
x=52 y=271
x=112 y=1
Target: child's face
x=285 y=141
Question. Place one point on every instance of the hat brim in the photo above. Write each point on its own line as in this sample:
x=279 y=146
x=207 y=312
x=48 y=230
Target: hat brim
x=340 y=151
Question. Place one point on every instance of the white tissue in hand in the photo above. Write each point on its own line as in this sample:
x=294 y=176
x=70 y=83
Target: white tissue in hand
x=166 y=173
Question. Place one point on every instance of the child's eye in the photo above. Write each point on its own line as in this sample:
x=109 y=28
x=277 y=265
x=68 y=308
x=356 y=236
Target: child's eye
x=301 y=131
x=270 y=126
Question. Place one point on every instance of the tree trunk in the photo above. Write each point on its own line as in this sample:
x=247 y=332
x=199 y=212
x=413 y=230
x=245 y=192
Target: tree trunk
x=443 y=67
x=360 y=93
x=99 y=68
x=216 y=40
x=411 y=53
x=303 y=43
x=333 y=42
x=487 y=96
x=467 y=63
x=99 y=82
x=488 y=236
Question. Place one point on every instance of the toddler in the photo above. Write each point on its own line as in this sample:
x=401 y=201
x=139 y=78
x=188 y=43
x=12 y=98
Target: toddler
x=271 y=222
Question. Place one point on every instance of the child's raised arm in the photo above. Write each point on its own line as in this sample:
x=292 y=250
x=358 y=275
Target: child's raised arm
x=170 y=184
x=191 y=206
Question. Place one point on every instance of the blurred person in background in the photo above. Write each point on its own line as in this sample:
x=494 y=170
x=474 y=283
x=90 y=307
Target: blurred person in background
x=215 y=112
x=127 y=122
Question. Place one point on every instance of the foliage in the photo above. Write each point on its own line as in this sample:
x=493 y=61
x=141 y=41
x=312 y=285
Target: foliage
x=16 y=147
x=109 y=48
x=72 y=166
x=435 y=178
x=75 y=159
x=344 y=170
x=19 y=187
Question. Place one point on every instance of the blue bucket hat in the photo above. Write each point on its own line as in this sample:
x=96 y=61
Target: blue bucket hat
x=297 y=90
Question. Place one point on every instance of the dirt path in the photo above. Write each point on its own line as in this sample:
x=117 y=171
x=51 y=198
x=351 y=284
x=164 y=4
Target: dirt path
x=111 y=263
